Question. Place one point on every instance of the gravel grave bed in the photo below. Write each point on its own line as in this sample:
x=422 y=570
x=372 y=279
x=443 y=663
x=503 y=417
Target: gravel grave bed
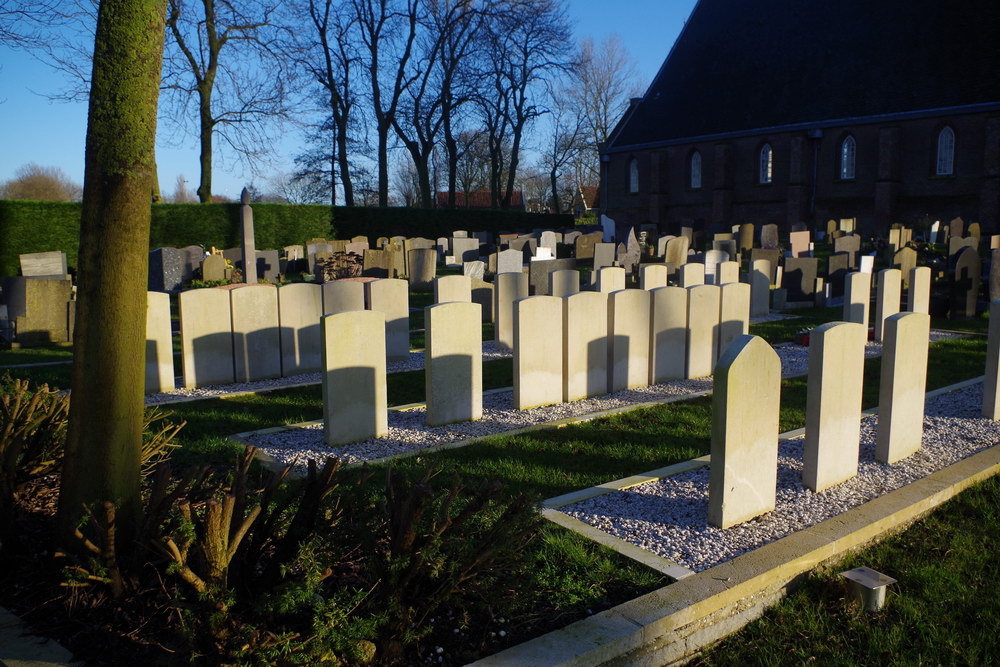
x=668 y=517
x=491 y=352
x=408 y=432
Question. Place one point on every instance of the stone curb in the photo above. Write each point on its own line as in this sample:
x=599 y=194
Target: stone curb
x=19 y=648
x=676 y=621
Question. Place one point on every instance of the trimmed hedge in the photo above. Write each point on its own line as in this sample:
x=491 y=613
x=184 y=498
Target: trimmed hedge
x=38 y=226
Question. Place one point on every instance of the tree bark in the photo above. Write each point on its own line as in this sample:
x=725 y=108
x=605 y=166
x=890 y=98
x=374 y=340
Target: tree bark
x=106 y=405
x=205 y=130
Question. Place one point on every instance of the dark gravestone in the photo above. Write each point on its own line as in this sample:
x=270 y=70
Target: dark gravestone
x=770 y=255
x=957 y=227
x=538 y=273
x=799 y=227
x=584 y=245
x=191 y=257
x=995 y=275
x=234 y=255
x=727 y=246
x=799 y=278
x=267 y=265
x=570 y=237
x=838 y=265
x=604 y=255
x=689 y=233
x=851 y=244
x=769 y=237
x=965 y=280
x=165 y=270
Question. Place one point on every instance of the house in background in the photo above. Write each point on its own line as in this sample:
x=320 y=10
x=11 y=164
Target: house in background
x=787 y=111
x=586 y=200
x=480 y=200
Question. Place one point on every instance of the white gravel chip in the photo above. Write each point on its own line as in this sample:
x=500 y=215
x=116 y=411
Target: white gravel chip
x=668 y=516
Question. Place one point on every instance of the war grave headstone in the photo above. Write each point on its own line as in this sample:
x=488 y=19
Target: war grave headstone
x=745 y=408
x=746 y=236
x=44 y=265
x=703 y=308
x=994 y=241
x=652 y=276
x=452 y=288
x=902 y=386
x=676 y=252
x=628 y=339
x=712 y=260
x=509 y=288
x=975 y=231
x=894 y=239
x=339 y=296
x=799 y=278
x=300 y=308
x=965 y=283
x=833 y=404
x=918 y=298
x=358 y=248
x=728 y=272
x=609 y=279
x=800 y=242
x=857 y=297
x=866 y=263
x=734 y=313
x=668 y=334
x=538 y=353
x=661 y=245
x=887 y=298
x=760 y=288
x=476 y=269
x=268 y=265
x=510 y=261
x=851 y=245
x=206 y=337
x=563 y=282
x=772 y=256
x=443 y=247
x=376 y=264
x=422 y=267
x=166 y=269
x=769 y=237
x=688 y=233
x=550 y=240
x=159 y=371
x=354 y=382
x=391 y=297
x=585 y=346
x=256 y=333
x=691 y=274
x=483 y=293
x=453 y=375
x=905 y=259
x=465 y=249
x=604 y=255
x=991 y=397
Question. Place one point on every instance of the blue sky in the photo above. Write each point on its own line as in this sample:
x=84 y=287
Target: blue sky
x=34 y=129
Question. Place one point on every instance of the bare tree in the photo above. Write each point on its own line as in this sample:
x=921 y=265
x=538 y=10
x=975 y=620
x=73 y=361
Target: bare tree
x=23 y=24
x=181 y=193
x=324 y=49
x=33 y=181
x=526 y=44
x=222 y=68
x=604 y=80
x=565 y=142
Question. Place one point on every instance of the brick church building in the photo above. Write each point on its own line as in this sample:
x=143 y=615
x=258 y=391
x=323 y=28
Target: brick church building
x=791 y=111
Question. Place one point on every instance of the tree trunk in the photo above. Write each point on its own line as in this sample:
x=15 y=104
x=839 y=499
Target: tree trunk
x=343 y=160
x=383 y=164
x=205 y=129
x=106 y=408
x=553 y=182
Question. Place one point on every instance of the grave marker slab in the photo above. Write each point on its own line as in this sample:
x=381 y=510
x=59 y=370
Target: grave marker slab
x=585 y=346
x=760 y=288
x=340 y=296
x=769 y=237
x=538 y=353
x=628 y=339
x=354 y=386
x=918 y=299
x=799 y=278
x=159 y=371
x=166 y=269
x=509 y=288
x=44 y=265
x=452 y=288
x=857 y=297
x=453 y=375
x=206 y=337
x=668 y=333
x=300 y=308
x=422 y=263
x=391 y=297
x=610 y=279
x=256 y=336
x=703 y=305
x=734 y=313
x=538 y=273
x=604 y=255
x=902 y=386
x=564 y=282
x=652 y=276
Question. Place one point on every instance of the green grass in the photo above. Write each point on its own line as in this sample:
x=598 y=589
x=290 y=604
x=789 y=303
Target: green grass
x=943 y=611
x=780 y=331
x=35 y=355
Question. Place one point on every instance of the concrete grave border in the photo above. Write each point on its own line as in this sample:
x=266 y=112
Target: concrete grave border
x=675 y=622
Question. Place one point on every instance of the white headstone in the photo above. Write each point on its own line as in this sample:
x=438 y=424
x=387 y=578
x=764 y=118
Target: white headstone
x=206 y=337
x=509 y=288
x=538 y=351
x=866 y=264
x=391 y=297
x=453 y=373
x=703 y=329
x=652 y=276
x=886 y=298
x=712 y=260
x=354 y=386
x=585 y=345
x=159 y=344
x=918 y=298
x=452 y=288
x=300 y=307
x=734 y=313
x=668 y=334
x=256 y=338
x=610 y=279
x=340 y=296
x=564 y=282
x=902 y=386
x=857 y=297
x=691 y=274
x=628 y=339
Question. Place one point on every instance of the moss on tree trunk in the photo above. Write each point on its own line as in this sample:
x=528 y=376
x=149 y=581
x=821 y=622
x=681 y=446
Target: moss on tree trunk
x=106 y=406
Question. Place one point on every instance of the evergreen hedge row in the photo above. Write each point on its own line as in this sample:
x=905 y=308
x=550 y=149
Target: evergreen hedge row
x=36 y=226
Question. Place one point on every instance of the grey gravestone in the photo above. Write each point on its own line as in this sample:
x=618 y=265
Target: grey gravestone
x=769 y=237
x=376 y=264
x=423 y=266
x=165 y=269
x=957 y=227
x=604 y=255
x=995 y=275
x=234 y=255
x=726 y=246
x=965 y=280
x=770 y=255
x=44 y=265
x=213 y=268
x=550 y=240
x=585 y=243
x=538 y=274
x=475 y=269
x=247 y=239
x=510 y=261
x=746 y=236
x=799 y=278
x=526 y=244
x=905 y=259
x=838 y=265
x=40 y=309
x=628 y=256
x=570 y=238
x=688 y=232
x=851 y=244
x=268 y=265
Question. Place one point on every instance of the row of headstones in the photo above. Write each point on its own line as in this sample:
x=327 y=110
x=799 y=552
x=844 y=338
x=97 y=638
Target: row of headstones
x=260 y=332
x=746 y=406
x=562 y=352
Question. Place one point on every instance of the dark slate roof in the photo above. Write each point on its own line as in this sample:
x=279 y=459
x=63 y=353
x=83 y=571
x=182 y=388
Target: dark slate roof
x=744 y=65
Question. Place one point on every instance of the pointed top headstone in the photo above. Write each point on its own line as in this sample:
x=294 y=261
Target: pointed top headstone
x=245 y=197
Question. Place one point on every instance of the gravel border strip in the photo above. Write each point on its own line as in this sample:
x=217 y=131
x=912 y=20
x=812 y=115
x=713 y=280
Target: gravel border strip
x=668 y=517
